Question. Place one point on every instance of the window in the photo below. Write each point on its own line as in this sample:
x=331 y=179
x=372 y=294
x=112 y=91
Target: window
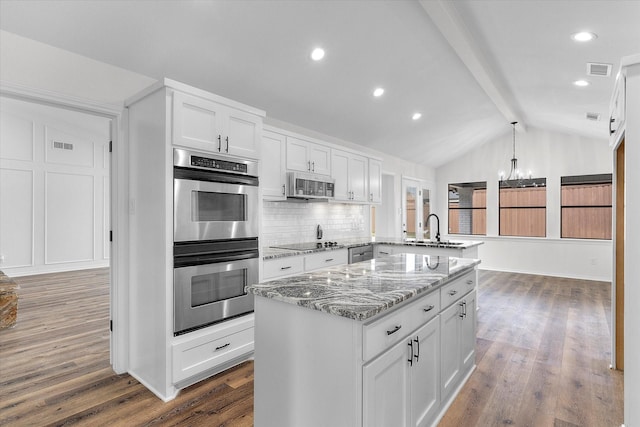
x=468 y=208
x=586 y=207
x=523 y=210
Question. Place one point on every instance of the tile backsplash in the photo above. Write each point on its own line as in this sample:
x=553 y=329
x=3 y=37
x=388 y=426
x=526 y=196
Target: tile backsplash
x=287 y=222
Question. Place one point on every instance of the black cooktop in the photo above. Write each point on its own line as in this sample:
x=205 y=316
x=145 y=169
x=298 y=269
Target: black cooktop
x=308 y=246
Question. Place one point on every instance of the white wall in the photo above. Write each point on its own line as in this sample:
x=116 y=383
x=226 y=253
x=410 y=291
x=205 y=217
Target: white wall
x=54 y=203
x=546 y=154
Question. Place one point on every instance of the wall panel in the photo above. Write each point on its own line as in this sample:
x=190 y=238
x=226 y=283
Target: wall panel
x=16 y=218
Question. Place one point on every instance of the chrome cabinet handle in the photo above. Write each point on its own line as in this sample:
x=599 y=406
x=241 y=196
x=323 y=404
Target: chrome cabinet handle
x=222 y=346
x=611 y=121
x=283 y=190
x=394 y=330
x=227 y=139
x=313 y=166
x=285 y=268
x=383 y=253
x=429 y=308
x=219 y=142
x=452 y=293
x=410 y=360
x=309 y=165
x=328 y=260
x=469 y=282
x=417 y=341
x=462 y=314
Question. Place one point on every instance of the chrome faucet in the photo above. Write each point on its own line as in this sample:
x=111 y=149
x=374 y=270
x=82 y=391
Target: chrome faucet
x=437 y=224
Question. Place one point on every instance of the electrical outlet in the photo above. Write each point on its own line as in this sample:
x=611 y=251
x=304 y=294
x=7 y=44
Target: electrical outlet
x=593 y=261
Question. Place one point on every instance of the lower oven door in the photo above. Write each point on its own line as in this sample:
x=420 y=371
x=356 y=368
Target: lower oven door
x=209 y=293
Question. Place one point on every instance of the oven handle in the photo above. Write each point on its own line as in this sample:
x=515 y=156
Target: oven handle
x=191 y=260
x=213 y=176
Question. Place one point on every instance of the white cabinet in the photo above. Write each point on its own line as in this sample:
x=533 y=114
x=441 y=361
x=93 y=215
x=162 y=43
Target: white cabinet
x=457 y=346
x=375 y=181
x=206 y=125
x=306 y=156
x=350 y=172
x=386 y=389
x=326 y=259
x=401 y=387
x=287 y=266
x=274 y=175
x=617 y=108
x=384 y=250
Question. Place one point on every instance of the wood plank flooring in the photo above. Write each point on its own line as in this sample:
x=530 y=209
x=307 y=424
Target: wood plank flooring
x=543 y=352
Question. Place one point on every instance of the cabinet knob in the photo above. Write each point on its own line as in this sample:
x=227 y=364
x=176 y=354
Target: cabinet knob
x=469 y=282
x=452 y=293
x=429 y=308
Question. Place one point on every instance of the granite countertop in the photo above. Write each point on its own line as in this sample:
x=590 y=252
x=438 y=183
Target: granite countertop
x=360 y=291
x=273 y=253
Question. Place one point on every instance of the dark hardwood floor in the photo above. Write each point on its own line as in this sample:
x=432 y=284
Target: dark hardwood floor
x=543 y=355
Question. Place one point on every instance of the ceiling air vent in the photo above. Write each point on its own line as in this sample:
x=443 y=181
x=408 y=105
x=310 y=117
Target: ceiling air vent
x=593 y=116
x=600 y=70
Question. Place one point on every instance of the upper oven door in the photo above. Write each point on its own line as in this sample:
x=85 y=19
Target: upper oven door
x=206 y=210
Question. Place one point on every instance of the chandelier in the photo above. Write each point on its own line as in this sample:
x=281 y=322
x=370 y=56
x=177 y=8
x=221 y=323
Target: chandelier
x=515 y=178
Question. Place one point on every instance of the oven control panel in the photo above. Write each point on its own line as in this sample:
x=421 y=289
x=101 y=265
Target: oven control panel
x=209 y=163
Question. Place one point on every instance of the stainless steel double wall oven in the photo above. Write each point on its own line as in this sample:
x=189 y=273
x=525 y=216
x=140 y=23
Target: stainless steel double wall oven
x=215 y=253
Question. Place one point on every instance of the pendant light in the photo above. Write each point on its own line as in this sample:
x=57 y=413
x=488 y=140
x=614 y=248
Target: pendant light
x=515 y=178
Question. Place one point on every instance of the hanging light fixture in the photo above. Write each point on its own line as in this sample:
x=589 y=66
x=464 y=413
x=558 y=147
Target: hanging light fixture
x=515 y=178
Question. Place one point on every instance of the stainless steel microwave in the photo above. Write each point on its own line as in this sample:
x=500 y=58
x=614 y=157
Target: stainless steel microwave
x=310 y=186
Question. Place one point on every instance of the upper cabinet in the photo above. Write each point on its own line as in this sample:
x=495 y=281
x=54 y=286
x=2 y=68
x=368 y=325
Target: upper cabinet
x=375 y=181
x=306 y=156
x=206 y=125
x=617 y=108
x=274 y=174
x=350 y=171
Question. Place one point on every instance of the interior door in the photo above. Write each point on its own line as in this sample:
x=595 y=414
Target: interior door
x=411 y=209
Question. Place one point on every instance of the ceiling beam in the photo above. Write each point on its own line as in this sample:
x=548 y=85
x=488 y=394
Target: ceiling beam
x=445 y=16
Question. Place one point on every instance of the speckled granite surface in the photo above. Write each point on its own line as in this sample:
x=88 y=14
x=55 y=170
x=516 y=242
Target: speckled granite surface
x=360 y=291
x=273 y=253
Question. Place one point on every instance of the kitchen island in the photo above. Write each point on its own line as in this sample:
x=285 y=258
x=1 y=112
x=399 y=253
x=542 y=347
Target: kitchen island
x=388 y=341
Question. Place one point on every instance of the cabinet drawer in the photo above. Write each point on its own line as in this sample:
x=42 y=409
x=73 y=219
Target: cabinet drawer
x=456 y=289
x=385 y=332
x=194 y=356
x=325 y=259
x=425 y=309
x=281 y=267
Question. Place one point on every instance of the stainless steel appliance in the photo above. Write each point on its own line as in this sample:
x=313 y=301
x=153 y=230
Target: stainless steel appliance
x=215 y=252
x=310 y=186
x=360 y=253
x=209 y=281
x=214 y=197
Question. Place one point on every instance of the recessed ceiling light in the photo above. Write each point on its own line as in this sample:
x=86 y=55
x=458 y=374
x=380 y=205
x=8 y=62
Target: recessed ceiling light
x=583 y=36
x=317 y=54
x=378 y=92
x=581 y=83
x=416 y=116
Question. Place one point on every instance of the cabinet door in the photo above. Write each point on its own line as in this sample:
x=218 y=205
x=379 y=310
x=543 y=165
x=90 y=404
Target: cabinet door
x=358 y=178
x=297 y=158
x=242 y=136
x=273 y=176
x=375 y=181
x=450 y=330
x=425 y=379
x=197 y=123
x=320 y=158
x=468 y=338
x=386 y=388
x=340 y=172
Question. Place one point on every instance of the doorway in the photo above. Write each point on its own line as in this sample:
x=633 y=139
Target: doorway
x=66 y=160
x=416 y=208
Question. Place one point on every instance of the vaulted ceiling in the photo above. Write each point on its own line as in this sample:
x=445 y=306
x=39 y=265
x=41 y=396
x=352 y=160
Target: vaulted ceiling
x=469 y=66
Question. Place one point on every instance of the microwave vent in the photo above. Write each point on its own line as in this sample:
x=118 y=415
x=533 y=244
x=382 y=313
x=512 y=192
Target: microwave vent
x=599 y=70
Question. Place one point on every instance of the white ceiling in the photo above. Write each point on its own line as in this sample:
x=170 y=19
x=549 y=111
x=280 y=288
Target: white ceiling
x=470 y=67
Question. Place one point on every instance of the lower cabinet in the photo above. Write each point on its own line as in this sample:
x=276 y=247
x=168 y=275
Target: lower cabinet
x=457 y=346
x=401 y=387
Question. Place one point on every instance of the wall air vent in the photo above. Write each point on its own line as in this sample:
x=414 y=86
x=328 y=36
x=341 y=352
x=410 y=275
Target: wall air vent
x=599 y=70
x=593 y=116
x=59 y=145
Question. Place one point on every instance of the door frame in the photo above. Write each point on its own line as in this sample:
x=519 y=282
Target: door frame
x=421 y=185
x=118 y=201
x=618 y=237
